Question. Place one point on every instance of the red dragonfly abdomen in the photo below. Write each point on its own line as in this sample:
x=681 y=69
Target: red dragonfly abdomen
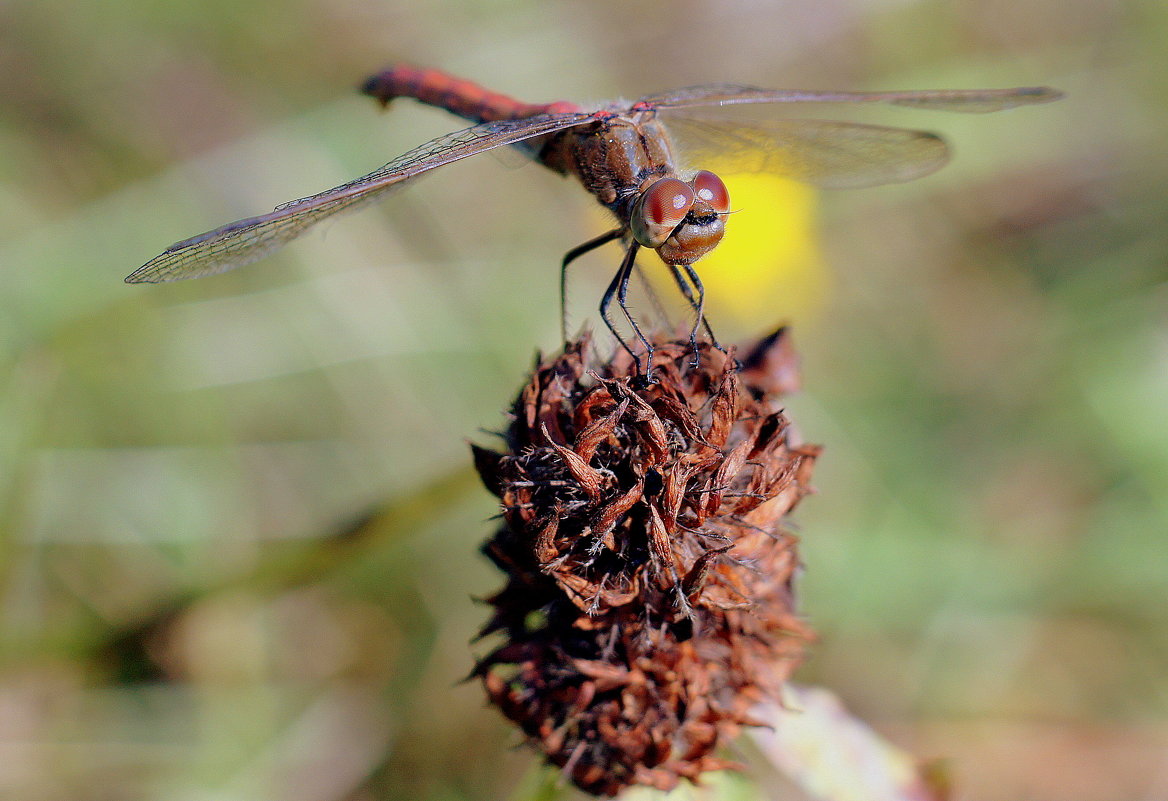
x=458 y=96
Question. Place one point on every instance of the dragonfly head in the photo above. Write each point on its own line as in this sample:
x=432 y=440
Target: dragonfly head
x=681 y=220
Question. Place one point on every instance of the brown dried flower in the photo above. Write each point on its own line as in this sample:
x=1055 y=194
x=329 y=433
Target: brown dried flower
x=648 y=604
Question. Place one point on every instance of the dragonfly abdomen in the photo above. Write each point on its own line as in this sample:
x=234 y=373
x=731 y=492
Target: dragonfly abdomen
x=462 y=97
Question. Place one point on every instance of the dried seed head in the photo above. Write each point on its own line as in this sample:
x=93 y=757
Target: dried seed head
x=648 y=603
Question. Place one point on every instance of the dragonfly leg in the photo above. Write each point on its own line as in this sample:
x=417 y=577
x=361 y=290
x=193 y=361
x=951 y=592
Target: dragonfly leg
x=698 y=304
x=570 y=257
x=619 y=286
x=697 y=282
x=622 y=292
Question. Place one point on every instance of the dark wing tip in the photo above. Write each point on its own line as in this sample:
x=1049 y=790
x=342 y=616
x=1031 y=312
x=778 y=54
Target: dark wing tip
x=139 y=276
x=149 y=273
x=1041 y=94
x=977 y=101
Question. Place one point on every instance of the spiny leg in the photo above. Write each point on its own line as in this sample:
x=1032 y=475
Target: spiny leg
x=697 y=282
x=570 y=257
x=619 y=286
x=622 y=293
x=694 y=304
x=697 y=304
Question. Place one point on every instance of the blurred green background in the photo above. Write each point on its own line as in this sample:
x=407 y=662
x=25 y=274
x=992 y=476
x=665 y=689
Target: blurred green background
x=239 y=524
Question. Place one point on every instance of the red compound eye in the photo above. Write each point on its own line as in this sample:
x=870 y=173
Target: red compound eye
x=709 y=187
x=659 y=210
x=667 y=202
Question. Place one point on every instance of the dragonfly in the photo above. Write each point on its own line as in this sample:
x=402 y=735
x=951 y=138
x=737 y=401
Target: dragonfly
x=628 y=156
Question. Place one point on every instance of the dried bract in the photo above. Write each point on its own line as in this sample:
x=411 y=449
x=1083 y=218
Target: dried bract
x=648 y=604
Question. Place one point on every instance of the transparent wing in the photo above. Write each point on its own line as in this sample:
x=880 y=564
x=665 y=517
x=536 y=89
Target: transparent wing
x=965 y=100
x=244 y=241
x=835 y=155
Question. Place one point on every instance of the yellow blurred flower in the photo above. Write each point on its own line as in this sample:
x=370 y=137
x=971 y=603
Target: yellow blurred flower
x=769 y=267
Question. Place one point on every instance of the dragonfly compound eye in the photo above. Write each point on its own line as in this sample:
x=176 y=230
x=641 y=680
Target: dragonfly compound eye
x=659 y=210
x=709 y=187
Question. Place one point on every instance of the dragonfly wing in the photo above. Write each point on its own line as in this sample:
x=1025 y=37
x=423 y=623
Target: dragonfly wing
x=834 y=155
x=965 y=100
x=244 y=241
